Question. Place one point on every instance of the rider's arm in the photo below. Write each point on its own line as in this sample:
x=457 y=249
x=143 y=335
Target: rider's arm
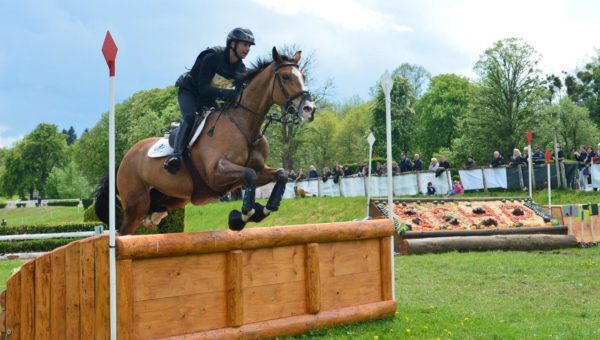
x=204 y=76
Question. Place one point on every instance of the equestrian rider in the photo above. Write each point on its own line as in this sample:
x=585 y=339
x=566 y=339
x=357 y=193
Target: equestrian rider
x=211 y=78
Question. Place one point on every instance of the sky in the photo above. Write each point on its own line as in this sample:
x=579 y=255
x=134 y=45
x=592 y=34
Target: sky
x=52 y=69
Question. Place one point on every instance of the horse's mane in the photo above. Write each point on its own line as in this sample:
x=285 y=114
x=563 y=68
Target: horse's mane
x=258 y=66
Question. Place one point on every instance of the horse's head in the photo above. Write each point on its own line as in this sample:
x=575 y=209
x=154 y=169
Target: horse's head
x=288 y=88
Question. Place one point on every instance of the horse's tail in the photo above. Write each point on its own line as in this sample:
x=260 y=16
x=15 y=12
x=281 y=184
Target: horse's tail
x=102 y=202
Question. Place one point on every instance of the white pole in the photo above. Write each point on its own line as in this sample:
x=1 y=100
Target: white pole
x=549 y=191
x=109 y=49
x=387 y=83
x=530 y=172
x=370 y=140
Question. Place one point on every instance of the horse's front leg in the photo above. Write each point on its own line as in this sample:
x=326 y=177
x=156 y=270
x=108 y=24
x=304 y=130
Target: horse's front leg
x=268 y=175
x=229 y=173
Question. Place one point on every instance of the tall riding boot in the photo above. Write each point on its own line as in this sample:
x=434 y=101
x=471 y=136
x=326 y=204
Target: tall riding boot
x=173 y=163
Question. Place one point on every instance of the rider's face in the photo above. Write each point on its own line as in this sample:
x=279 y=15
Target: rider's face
x=243 y=48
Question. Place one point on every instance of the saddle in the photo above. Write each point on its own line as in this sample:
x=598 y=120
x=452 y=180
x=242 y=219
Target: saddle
x=164 y=146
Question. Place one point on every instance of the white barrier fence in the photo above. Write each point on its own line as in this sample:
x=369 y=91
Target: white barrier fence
x=404 y=184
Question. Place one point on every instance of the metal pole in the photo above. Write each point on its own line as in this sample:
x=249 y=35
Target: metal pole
x=370 y=140
x=549 y=191
x=530 y=163
x=387 y=83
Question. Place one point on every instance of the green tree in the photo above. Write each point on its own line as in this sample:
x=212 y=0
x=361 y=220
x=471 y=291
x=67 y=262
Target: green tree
x=70 y=134
x=68 y=182
x=417 y=75
x=573 y=125
x=439 y=110
x=507 y=100
x=583 y=87
x=350 y=139
x=403 y=118
x=30 y=162
x=319 y=136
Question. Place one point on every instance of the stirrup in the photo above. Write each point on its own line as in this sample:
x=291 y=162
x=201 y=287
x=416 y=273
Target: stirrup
x=173 y=164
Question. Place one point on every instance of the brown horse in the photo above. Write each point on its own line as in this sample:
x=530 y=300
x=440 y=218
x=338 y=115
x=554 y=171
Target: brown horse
x=229 y=153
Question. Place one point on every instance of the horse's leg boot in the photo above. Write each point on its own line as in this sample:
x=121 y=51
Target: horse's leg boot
x=173 y=163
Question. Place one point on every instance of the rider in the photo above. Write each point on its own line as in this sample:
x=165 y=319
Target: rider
x=211 y=78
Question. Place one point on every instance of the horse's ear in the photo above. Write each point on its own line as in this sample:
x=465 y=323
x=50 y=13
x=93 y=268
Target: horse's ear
x=276 y=56
x=297 y=56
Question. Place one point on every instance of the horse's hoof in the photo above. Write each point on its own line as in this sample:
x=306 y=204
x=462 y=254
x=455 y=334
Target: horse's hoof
x=235 y=221
x=259 y=213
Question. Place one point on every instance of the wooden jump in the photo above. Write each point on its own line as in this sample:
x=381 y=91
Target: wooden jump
x=260 y=282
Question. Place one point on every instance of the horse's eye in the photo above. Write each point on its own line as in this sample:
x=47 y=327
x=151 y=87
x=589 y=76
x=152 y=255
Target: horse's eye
x=286 y=77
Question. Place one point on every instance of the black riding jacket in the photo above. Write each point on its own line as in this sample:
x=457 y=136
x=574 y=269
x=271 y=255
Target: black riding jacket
x=212 y=77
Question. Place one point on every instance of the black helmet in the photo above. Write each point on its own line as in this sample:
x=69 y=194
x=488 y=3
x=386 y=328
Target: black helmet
x=240 y=34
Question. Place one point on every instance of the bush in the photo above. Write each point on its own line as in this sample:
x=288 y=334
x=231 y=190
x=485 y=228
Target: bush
x=87 y=202
x=173 y=223
x=89 y=215
x=46 y=229
x=63 y=203
x=21 y=205
x=26 y=246
x=2 y=205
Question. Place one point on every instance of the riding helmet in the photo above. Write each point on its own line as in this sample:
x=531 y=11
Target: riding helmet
x=240 y=34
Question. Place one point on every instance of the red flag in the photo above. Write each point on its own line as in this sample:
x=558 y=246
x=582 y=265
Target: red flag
x=109 y=49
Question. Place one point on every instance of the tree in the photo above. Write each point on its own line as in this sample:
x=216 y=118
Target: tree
x=573 y=125
x=403 y=118
x=319 y=138
x=29 y=164
x=350 y=140
x=71 y=136
x=68 y=182
x=439 y=110
x=417 y=75
x=584 y=87
x=507 y=99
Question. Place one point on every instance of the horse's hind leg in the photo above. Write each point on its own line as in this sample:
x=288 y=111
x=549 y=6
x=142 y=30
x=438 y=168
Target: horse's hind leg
x=135 y=206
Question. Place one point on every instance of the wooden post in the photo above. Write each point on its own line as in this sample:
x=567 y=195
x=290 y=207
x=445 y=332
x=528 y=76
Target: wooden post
x=235 y=302
x=28 y=301
x=386 y=268
x=125 y=319
x=563 y=175
x=483 y=179
x=58 y=304
x=520 y=171
x=313 y=279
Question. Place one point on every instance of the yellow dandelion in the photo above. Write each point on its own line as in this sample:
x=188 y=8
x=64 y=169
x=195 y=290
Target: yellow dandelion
x=376 y=337
x=407 y=330
x=466 y=319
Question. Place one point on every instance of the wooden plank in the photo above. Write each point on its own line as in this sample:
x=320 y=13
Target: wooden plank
x=13 y=305
x=313 y=279
x=148 y=246
x=42 y=296
x=28 y=300
x=274 y=265
x=234 y=281
x=350 y=290
x=124 y=300
x=179 y=315
x=87 y=309
x=386 y=268
x=73 y=289
x=179 y=276
x=350 y=257
x=102 y=301
x=58 y=302
x=274 y=301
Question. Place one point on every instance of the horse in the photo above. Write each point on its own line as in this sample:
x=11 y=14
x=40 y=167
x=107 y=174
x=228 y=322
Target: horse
x=232 y=153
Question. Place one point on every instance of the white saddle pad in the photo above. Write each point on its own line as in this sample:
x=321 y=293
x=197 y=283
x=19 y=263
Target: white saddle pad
x=162 y=148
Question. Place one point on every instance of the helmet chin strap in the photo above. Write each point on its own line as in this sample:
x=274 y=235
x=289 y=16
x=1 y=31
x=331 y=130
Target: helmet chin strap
x=235 y=50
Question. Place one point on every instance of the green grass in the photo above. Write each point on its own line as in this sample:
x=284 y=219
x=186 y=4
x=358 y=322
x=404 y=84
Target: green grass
x=496 y=295
x=41 y=215
x=6 y=269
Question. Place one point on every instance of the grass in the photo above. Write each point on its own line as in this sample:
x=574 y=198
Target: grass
x=496 y=295
x=41 y=215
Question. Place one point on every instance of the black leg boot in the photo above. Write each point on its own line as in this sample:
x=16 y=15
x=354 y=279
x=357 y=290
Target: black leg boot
x=173 y=163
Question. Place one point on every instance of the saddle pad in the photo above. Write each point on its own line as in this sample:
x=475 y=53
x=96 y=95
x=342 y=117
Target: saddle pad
x=162 y=148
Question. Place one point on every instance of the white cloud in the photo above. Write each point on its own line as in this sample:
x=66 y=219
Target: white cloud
x=7 y=141
x=350 y=15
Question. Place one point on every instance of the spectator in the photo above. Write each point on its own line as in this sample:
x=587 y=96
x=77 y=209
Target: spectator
x=497 y=160
x=580 y=157
x=301 y=175
x=292 y=175
x=596 y=158
x=417 y=164
x=378 y=169
x=4 y=223
x=525 y=155
x=434 y=164
x=457 y=189
x=516 y=158
x=470 y=164
x=560 y=153
x=395 y=168
x=312 y=172
x=430 y=189
x=326 y=174
x=444 y=163
x=538 y=156
x=404 y=163
x=360 y=168
x=347 y=171
x=337 y=172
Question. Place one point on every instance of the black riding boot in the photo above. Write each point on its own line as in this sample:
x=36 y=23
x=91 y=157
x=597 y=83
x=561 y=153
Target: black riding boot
x=173 y=163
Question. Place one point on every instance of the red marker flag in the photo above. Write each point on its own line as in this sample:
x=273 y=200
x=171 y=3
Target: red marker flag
x=548 y=156
x=528 y=136
x=109 y=49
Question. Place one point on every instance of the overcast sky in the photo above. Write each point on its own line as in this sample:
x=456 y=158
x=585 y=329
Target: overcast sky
x=52 y=69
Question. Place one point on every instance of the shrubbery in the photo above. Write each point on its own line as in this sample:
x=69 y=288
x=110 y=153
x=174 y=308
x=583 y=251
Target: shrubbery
x=87 y=202
x=64 y=203
x=26 y=246
x=47 y=229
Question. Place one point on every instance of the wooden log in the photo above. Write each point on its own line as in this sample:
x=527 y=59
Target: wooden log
x=559 y=230
x=483 y=243
x=149 y=246
x=298 y=324
x=386 y=268
x=313 y=279
x=125 y=318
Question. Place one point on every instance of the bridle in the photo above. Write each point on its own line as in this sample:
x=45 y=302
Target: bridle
x=289 y=107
